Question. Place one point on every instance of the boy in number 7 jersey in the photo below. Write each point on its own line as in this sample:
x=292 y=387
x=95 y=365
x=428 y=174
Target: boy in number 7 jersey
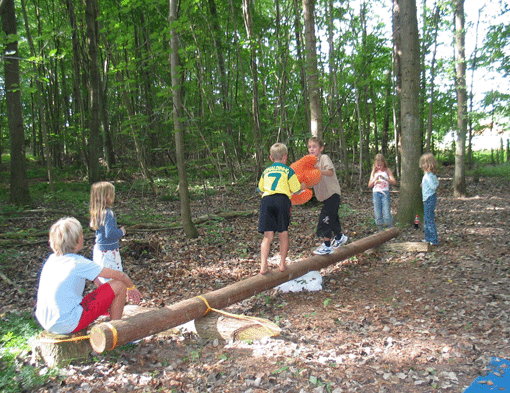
x=277 y=184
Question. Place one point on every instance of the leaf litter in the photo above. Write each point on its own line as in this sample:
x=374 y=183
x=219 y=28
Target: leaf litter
x=383 y=322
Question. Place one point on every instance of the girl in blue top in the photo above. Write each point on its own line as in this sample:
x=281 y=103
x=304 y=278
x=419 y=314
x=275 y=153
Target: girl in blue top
x=429 y=185
x=102 y=220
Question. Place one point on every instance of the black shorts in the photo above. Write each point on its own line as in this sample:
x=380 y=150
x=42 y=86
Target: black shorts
x=274 y=213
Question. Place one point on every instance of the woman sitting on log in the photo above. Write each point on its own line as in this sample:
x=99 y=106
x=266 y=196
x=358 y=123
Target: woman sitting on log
x=61 y=307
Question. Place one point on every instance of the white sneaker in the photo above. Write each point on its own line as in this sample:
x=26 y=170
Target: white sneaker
x=323 y=250
x=335 y=243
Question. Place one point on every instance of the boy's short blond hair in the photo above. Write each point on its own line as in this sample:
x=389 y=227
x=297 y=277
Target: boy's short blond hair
x=317 y=140
x=428 y=163
x=277 y=151
x=65 y=235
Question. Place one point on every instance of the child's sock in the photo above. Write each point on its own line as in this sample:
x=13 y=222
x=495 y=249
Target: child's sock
x=327 y=243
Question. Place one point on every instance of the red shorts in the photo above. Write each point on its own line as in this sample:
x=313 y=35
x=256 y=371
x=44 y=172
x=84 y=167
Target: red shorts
x=95 y=304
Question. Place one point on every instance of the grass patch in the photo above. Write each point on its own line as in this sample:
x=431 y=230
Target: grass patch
x=16 y=373
x=498 y=170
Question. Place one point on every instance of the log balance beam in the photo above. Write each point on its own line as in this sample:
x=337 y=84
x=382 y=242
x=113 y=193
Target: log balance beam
x=106 y=336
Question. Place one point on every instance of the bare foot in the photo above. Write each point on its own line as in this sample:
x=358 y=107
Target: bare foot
x=282 y=268
x=263 y=268
x=263 y=271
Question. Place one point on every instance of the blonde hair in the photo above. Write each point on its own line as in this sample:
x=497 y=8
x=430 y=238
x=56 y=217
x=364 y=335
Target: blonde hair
x=317 y=140
x=277 y=151
x=102 y=195
x=379 y=158
x=428 y=163
x=65 y=235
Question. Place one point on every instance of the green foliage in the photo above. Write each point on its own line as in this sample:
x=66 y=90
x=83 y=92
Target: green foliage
x=16 y=374
x=72 y=195
x=344 y=211
x=501 y=171
x=215 y=60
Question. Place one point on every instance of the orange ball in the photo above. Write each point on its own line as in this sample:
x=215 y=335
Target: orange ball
x=302 y=197
x=306 y=171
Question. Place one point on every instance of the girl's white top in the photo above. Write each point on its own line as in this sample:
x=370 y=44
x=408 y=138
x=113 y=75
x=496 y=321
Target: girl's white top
x=381 y=184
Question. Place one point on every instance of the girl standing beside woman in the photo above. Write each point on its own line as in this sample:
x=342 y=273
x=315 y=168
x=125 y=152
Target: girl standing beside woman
x=380 y=179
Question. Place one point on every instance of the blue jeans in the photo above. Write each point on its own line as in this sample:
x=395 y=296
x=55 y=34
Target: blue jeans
x=429 y=211
x=382 y=209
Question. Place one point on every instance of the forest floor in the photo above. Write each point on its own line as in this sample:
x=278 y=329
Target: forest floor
x=383 y=321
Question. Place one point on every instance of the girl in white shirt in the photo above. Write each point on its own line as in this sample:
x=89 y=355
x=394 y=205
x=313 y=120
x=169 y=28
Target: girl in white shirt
x=380 y=180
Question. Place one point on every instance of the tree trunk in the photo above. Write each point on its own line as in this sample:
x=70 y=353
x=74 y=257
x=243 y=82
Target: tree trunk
x=230 y=146
x=299 y=57
x=387 y=115
x=312 y=72
x=189 y=229
x=94 y=81
x=255 y=124
x=38 y=99
x=397 y=71
x=459 y=179
x=471 y=95
x=107 y=133
x=373 y=98
x=410 y=202
x=78 y=101
x=20 y=193
x=432 y=80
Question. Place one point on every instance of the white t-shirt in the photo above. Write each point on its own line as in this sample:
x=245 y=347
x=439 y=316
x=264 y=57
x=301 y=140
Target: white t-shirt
x=382 y=185
x=61 y=289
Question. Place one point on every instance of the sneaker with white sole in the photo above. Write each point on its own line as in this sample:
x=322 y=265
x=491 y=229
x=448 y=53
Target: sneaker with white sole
x=335 y=243
x=323 y=250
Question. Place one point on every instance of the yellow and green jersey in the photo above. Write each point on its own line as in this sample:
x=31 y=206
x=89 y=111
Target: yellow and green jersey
x=279 y=179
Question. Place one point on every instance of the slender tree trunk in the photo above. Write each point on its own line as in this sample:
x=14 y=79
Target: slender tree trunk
x=432 y=81
x=397 y=71
x=94 y=81
x=78 y=101
x=229 y=144
x=387 y=115
x=360 y=136
x=312 y=72
x=459 y=180
x=107 y=132
x=20 y=193
x=373 y=98
x=257 y=138
x=473 y=68
x=38 y=99
x=343 y=149
x=189 y=228
x=298 y=28
x=410 y=201
x=333 y=97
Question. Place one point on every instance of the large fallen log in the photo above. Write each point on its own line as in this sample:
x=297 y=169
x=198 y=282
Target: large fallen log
x=106 y=336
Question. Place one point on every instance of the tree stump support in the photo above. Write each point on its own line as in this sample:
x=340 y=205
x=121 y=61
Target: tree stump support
x=58 y=350
x=105 y=337
x=406 y=247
